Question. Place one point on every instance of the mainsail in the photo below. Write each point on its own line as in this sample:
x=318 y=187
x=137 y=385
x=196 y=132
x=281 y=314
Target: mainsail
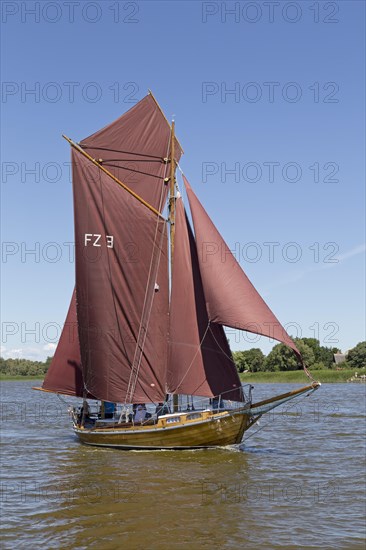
x=200 y=361
x=231 y=299
x=121 y=282
x=134 y=148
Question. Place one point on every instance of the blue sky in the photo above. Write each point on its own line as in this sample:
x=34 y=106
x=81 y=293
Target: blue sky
x=291 y=132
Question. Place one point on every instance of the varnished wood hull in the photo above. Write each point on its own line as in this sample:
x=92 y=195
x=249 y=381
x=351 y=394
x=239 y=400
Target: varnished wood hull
x=213 y=430
x=186 y=430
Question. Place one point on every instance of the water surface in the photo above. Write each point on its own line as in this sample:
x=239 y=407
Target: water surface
x=296 y=481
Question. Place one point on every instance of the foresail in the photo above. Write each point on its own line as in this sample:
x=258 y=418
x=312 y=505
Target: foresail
x=134 y=148
x=64 y=374
x=121 y=289
x=200 y=360
x=231 y=298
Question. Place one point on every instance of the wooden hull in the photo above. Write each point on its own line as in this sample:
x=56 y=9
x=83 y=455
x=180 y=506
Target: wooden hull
x=186 y=430
x=211 y=430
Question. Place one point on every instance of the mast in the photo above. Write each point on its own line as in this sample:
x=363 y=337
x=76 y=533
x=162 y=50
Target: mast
x=172 y=217
x=172 y=194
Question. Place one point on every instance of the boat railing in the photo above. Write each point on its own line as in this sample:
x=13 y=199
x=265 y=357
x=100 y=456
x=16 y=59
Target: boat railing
x=124 y=414
x=224 y=401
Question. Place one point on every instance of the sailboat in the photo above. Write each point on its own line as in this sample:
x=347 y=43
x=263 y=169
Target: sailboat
x=143 y=343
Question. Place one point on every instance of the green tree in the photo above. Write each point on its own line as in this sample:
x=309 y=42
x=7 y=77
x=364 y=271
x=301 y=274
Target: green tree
x=314 y=344
x=356 y=357
x=251 y=359
x=254 y=359
x=240 y=361
x=23 y=367
x=282 y=358
x=322 y=354
x=3 y=365
x=33 y=370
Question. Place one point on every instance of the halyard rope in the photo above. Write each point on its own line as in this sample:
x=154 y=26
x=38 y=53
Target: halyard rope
x=146 y=310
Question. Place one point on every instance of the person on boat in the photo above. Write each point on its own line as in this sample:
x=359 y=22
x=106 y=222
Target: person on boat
x=140 y=414
x=161 y=408
x=109 y=409
x=215 y=403
x=84 y=412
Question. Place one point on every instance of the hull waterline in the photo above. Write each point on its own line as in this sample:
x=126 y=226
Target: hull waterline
x=186 y=430
x=211 y=430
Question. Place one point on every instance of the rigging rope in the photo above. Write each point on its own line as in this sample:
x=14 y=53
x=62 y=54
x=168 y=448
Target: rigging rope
x=121 y=151
x=147 y=307
x=307 y=372
x=63 y=400
x=223 y=351
x=145 y=318
x=160 y=161
x=267 y=423
x=195 y=355
x=129 y=169
x=110 y=275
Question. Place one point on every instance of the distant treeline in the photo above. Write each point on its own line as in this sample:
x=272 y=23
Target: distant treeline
x=315 y=356
x=281 y=358
x=24 y=367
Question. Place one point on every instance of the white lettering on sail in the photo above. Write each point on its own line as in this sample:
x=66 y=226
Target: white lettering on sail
x=87 y=238
x=94 y=239
x=95 y=243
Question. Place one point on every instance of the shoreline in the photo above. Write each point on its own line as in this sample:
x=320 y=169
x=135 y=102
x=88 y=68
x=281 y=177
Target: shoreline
x=10 y=378
x=325 y=376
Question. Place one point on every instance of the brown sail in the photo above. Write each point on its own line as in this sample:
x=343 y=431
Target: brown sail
x=200 y=360
x=121 y=289
x=64 y=374
x=231 y=299
x=130 y=347
x=134 y=148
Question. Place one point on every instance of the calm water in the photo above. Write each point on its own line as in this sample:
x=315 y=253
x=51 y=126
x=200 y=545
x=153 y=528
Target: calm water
x=298 y=482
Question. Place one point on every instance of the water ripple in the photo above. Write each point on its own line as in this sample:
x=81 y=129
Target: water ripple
x=297 y=483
